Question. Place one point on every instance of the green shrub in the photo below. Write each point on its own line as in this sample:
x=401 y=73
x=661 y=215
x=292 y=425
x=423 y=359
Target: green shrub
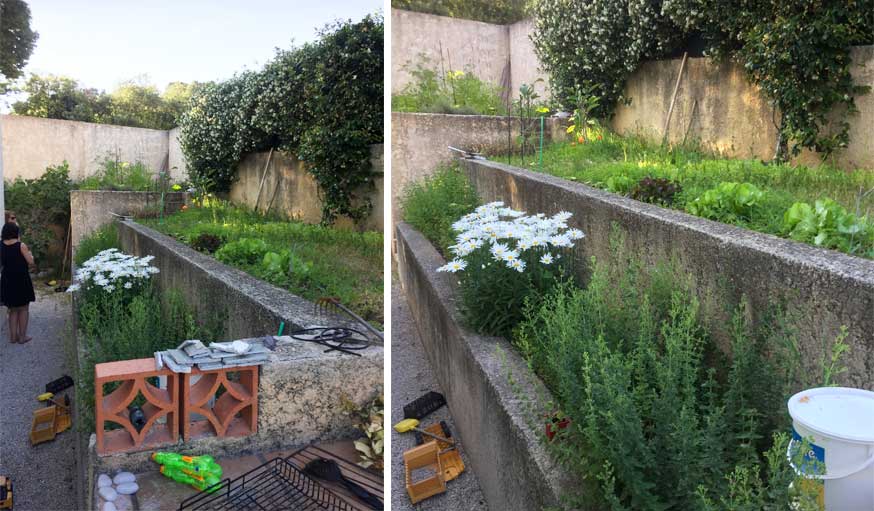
x=828 y=224
x=41 y=204
x=728 y=202
x=457 y=92
x=322 y=101
x=432 y=204
x=660 y=420
x=797 y=54
x=121 y=175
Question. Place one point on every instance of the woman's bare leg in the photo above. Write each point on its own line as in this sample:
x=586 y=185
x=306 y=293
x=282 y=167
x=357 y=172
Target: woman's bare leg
x=23 y=320
x=12 y=324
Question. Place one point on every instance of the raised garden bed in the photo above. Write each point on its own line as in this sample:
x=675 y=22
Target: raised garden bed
x=826 y=289
x=485 y=383
x=308 y=260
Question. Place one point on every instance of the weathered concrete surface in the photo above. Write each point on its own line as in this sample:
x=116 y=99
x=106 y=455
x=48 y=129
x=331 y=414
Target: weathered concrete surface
x=499 y=54
x=457 y=44
x=292 y=191
x=412 y=377
x=826 y=288
x=175 y=159
x=30 y=144
x=247 y=306
x=92 y=209
x=493 y=416
x=43 y=475
x=299 y=389
x=717 y=105
x=420 y=141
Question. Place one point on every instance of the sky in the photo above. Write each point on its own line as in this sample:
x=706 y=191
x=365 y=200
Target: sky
x=102 y=43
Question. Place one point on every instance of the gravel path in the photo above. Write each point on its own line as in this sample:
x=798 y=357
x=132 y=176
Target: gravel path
x=411 y=377
x=42 y=476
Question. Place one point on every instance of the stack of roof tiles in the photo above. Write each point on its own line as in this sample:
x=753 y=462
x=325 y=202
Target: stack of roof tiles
x=193 y=353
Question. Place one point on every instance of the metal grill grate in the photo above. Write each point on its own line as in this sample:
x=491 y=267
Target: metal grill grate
x=274 y=486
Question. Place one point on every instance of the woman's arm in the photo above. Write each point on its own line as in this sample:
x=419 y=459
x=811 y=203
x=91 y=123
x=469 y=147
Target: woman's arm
x=27 y=255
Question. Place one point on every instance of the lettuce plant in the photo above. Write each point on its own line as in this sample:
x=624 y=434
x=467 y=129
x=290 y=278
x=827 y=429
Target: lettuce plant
x=828 y=224
x=728 y=202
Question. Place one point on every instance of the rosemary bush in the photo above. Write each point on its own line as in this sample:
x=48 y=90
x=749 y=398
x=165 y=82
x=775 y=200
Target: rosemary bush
x=660 y=418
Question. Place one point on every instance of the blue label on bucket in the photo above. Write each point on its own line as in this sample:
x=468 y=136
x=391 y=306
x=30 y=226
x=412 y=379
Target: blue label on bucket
x=813 y=462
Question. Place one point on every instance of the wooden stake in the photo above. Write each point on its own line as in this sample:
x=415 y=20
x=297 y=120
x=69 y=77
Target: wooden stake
x=674 y=98
x=263 y=178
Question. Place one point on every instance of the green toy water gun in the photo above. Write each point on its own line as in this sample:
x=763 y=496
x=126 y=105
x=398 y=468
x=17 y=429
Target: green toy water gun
x=201 y=472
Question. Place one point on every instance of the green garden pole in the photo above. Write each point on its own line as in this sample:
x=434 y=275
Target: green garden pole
x=541 y=142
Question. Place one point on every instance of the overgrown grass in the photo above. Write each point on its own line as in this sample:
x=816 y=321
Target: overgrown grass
x=121 y=175
x=309 y=260
x=432 y=204
x=104 y=238
x=618 y=164
x=455 y=92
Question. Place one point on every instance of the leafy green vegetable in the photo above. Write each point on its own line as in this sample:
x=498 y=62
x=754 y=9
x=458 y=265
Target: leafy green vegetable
x=828 y=224
x=727 y=202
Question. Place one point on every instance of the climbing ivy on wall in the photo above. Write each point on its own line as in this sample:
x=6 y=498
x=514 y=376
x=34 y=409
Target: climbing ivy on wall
x=797 y=51
x=322 y=101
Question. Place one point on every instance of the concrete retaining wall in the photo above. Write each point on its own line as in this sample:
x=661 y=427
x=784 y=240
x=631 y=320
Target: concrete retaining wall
x=420 y=141
x=499 y=54
x=91 y=209
x=30 y=144
x=299 y=388
x=826 y=288
x=717 y=105
x=293 y=191
x=493 y=417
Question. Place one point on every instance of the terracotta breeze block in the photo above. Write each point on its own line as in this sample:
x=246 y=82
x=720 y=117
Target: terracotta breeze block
x=240 y=397
x=159 y=404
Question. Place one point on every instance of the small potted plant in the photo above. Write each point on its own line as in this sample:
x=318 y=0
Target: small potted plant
x=556 y=421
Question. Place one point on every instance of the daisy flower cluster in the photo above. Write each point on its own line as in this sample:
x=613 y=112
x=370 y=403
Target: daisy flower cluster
x=112 y=269
x=511 y=237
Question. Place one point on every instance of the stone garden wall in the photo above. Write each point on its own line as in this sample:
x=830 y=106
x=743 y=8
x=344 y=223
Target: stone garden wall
x=825 y=289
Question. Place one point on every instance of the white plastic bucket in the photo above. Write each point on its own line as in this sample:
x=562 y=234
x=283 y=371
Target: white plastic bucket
x=840 y=422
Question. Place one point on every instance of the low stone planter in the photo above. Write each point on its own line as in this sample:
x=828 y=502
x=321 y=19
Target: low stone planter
x=824 y=289
x=497 y=406
x=299 y=387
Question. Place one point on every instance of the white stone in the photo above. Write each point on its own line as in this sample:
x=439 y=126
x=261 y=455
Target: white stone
x=103 y=480
x=127 y=488
x=124 y=477
x=108 y=493
x=109 y=506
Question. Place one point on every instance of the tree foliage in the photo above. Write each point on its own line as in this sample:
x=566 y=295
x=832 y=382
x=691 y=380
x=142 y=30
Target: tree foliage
x=17 y=39
x=322 y=101
x=501 y=12
x=134 y=103
x=798 y=52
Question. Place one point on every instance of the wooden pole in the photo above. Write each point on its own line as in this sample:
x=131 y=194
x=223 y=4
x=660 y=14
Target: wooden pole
x=263 y=178
x=674 y=98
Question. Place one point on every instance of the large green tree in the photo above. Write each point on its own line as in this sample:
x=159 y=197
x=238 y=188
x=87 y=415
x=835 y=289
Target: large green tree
x=134 y=103
x=490 y=11
x=17 y=40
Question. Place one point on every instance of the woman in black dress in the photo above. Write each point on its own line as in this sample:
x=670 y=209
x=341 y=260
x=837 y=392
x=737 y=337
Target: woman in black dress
x=16 y=288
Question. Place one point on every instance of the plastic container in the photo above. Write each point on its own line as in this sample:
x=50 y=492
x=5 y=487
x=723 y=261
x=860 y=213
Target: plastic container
x=840 y=423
